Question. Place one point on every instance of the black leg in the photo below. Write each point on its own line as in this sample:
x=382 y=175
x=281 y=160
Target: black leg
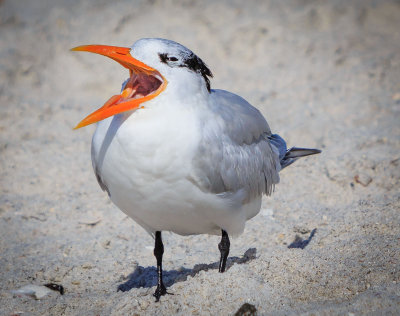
x=223 y=247
x=158 y=253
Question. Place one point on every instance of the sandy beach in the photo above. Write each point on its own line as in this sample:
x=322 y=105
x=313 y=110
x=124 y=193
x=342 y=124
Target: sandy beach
x=325 y=74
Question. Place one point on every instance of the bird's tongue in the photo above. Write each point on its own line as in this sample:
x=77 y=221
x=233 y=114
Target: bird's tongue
x=127 y=92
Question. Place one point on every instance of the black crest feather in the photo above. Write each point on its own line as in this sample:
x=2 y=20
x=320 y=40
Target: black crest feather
x=190 y=61
x=197 y=65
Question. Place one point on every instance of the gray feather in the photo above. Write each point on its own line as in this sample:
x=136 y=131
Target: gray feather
x=234 y=153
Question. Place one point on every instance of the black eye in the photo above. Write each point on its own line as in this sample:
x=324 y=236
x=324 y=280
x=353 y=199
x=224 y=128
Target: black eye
x=165 y=58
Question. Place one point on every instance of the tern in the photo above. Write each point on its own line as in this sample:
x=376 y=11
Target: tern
x=176 y=155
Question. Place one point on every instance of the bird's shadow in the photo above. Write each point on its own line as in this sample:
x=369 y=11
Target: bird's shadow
x=147 y=277
x=300 y=242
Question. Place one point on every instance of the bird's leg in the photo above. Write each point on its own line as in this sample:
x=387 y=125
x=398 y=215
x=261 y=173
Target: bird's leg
x=223 y=247
x=158 y=253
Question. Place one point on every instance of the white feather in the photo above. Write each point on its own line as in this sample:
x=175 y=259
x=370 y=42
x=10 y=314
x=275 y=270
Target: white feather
x=189 y=161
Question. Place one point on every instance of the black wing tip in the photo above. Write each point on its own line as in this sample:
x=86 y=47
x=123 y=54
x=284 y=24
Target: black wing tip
x=311 y=151
x=296 y=152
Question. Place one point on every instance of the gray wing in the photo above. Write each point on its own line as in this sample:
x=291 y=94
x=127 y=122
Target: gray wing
x=235 y=153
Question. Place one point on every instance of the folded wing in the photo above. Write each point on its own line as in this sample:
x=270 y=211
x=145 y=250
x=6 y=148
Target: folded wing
x=235 y=153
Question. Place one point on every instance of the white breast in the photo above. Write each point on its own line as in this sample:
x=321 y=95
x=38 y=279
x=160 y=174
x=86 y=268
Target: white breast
x=145 y=159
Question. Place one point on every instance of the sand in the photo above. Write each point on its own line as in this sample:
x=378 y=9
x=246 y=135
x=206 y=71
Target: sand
x=325 y=74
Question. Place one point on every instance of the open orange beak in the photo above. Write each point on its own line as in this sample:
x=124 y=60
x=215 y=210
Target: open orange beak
x=144 y=84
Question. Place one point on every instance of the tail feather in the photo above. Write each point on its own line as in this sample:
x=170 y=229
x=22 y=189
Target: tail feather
x=295 y=153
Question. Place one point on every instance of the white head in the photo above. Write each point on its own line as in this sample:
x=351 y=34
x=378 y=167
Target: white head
x=155 y=65
x=178 y=64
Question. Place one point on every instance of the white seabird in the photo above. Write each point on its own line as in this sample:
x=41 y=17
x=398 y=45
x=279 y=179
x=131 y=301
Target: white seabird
x=176 y=155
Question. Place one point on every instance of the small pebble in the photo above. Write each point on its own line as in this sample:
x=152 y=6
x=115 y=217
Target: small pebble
x=363 y=179
x=87 y=266
x=106 y=244
x=246 y=310
x=301 y=229
x=55 y=287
